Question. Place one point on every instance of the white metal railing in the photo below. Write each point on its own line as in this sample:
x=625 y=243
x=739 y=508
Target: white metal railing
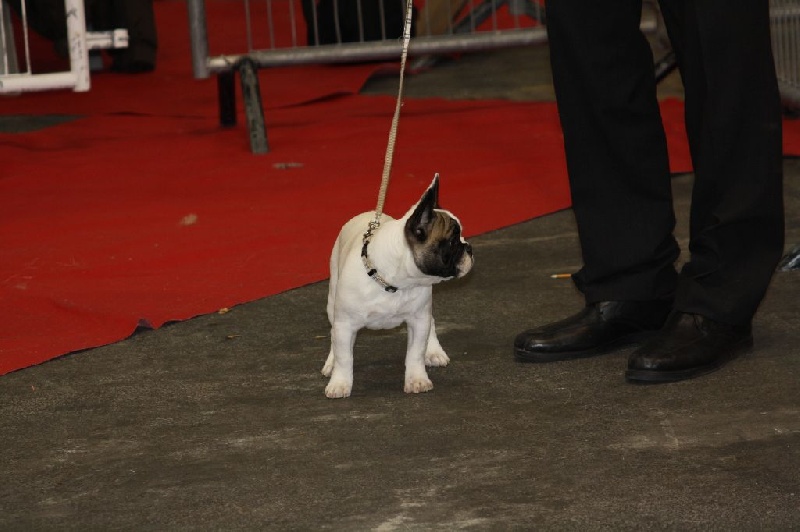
x=785 y=22
x=79 y=42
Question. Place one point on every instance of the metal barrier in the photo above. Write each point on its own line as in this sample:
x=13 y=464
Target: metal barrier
x=79 y=42
x=339 y=31
x=785 y=22
x=442 y=27
x=785 y=31
x=476 y=25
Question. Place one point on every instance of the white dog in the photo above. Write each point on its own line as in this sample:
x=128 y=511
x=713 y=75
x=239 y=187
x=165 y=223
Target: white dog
x=382 y=277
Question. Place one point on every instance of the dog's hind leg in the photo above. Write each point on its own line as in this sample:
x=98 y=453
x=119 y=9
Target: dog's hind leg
x=332 y=282
x=434 y=354
x=328 y=367
x=417 y=380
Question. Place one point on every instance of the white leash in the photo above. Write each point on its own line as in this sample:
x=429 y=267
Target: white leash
x=387 y=163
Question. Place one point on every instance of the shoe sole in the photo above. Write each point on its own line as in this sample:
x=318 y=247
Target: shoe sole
x=646 y=376
x=535 y=357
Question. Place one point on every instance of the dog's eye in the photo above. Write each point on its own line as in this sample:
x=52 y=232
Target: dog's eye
x=419 y=232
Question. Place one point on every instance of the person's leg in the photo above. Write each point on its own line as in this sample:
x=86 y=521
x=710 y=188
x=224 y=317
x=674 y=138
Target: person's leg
x=733 y=119
x=616 y=149
x=47 y=18
x=616 y=152
x=733 y=116
x=138 y=17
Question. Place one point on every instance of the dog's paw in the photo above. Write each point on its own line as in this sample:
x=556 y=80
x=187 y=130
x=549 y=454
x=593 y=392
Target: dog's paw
x=418 y=385
x=436 y=358
x=338 y=389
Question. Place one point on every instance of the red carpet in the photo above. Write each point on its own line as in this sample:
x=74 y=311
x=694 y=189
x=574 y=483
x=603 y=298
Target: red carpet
x=144 y=211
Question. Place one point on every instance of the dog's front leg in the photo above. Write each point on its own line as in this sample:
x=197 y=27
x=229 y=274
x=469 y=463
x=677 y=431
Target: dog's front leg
x=343 y=338
x=417 y=380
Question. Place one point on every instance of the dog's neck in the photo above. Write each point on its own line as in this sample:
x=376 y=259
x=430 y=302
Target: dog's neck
x=372 y=271
x=389 y=255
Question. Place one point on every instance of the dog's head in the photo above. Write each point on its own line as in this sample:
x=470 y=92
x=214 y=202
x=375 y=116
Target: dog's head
x=434 y=237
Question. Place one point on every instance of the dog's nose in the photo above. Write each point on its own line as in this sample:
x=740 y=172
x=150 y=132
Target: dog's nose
x=468 y=248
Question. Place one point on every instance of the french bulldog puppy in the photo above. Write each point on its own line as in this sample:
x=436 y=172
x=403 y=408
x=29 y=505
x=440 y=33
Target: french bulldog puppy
x=383 y=277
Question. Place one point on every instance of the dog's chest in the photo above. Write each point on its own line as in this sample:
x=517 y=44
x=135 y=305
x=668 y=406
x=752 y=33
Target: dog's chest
x=393 y=311
x=382 y=321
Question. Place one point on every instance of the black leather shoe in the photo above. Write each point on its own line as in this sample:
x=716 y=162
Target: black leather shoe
x=688 y=346
x=598 y=328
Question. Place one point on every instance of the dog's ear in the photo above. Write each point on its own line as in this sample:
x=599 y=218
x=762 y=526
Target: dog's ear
x=421 y=219
x=434 y=190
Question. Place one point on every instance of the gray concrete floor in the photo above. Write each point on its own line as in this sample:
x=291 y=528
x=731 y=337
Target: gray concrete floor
x=220 y=422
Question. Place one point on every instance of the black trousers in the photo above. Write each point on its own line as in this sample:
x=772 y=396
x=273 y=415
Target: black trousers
x=617 y=157
x=48 y=18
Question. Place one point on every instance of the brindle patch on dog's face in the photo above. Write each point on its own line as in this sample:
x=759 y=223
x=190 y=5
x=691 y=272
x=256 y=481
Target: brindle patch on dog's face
x=439 y=250
x=443 y=253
